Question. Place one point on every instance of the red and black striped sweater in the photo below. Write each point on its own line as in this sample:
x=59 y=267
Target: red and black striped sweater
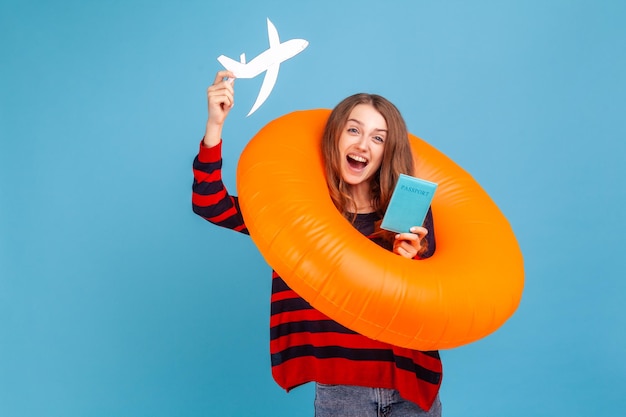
x=306 y=345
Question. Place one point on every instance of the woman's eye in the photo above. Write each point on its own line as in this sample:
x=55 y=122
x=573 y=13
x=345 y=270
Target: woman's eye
x=379 y=139
x=353 y=130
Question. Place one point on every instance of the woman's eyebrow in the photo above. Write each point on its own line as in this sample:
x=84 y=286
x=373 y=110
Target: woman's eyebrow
x=359 y=123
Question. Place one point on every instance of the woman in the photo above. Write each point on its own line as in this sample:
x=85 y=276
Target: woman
x=365 y=148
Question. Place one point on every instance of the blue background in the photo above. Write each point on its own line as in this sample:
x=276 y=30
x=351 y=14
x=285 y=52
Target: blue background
x=116 y=300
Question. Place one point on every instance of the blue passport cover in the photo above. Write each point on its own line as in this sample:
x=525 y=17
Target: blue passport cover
x=409 y=204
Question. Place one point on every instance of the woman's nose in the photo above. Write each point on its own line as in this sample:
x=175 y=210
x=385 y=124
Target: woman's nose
x=362 y=142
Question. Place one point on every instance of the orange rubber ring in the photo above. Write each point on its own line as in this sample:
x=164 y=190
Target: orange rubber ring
x=465 y=291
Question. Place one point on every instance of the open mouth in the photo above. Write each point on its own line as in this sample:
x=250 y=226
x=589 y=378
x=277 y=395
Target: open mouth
x=356 y=162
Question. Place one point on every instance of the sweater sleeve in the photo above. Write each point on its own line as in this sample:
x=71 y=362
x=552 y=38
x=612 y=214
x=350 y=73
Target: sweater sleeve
x=210 y=199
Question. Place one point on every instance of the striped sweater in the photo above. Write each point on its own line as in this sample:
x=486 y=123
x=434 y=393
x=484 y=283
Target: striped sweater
x=306 y=345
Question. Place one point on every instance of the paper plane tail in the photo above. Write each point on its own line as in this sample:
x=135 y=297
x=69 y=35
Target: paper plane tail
x=231 y=65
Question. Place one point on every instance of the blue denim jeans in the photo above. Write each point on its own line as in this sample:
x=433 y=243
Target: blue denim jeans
x=352 y=401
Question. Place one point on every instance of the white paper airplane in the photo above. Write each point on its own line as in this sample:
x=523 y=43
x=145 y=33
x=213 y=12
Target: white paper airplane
x=268 y=61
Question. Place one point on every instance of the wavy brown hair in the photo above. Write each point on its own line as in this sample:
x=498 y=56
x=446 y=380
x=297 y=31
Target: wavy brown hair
x=397 y=156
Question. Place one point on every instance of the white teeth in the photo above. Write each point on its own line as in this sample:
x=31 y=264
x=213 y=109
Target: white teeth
x=357 y=158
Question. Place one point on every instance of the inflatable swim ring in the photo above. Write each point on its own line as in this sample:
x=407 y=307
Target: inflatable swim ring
x=467 y=290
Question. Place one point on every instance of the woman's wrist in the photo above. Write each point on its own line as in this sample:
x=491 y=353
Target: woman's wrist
x=212 y=134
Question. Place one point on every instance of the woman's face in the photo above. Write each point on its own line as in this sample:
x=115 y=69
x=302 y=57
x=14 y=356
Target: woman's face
x=361 y=145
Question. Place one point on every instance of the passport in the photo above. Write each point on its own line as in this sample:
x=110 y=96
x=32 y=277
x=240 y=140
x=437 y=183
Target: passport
x=409 y=204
